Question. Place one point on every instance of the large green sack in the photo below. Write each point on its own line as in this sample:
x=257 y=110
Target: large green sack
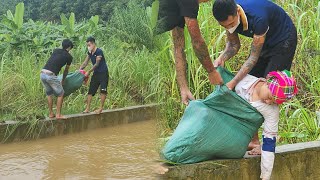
x=72 y=82
x=220 y=126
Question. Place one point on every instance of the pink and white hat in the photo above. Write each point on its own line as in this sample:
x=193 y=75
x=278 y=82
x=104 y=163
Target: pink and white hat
x=282 y=85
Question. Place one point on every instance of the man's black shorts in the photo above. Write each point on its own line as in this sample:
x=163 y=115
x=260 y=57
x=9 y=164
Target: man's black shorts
x=276 y=58
x=99 y=79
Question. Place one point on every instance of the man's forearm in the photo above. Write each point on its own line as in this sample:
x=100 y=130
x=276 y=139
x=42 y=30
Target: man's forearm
x=246 y=68
x=199 y=45
x=83 y=65
x=202 y=53
x=181 y=67
x=65 y=73
x=180 y=57
x=230 y=51
x=256 y=48
x=94 y=66
x=232 y=47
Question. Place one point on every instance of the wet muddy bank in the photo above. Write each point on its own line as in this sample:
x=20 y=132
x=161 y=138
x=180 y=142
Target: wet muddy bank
x=13 y=131
x=293 y=161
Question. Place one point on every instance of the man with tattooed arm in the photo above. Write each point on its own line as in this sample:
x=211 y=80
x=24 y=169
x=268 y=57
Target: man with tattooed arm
x=174 y=15
x=274 y=40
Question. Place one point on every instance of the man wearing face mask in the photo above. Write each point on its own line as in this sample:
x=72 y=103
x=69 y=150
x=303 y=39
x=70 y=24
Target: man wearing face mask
x=173 y=16
x=274 y=39
x=100 y=75
x=273 y=32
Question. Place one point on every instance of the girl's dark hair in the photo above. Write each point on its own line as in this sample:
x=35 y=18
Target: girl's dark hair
x=222 y=9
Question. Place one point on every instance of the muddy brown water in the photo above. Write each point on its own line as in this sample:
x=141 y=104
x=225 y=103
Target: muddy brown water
x=120 y=152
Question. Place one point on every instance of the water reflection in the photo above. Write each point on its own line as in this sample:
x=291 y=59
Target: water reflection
x=120 y=152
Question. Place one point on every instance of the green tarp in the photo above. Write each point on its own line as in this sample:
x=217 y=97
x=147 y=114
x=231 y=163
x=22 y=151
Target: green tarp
x=220 y=126
x=72 y=82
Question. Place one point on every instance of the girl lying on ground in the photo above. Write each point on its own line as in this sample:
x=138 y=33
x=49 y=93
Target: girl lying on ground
x=265 y=95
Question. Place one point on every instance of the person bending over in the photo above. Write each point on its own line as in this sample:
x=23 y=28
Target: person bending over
x=49 y=73
x=265 y=95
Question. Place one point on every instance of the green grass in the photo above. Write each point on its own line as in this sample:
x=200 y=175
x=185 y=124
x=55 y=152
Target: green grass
x=22 y=95
x=134 y=76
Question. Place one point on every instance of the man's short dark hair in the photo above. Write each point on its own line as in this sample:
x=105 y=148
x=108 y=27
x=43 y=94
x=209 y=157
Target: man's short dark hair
x=222 y=9
x=91 y=39
x=66 y=43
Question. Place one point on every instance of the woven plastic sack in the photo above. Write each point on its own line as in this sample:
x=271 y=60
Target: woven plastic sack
x=218 y=127
x=72 y=82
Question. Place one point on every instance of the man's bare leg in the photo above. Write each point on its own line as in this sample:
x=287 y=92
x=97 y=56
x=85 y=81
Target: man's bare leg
x=59 y=106
x=89 y=98
x=50 y=104
x=103 y=99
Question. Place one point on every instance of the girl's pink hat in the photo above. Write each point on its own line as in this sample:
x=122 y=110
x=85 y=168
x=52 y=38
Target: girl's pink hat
x=282 y=85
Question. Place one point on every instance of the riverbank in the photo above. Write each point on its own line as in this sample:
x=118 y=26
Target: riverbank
x=12 y=131
x=293 y=161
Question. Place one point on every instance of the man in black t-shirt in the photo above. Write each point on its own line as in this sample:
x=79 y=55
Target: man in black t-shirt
x=173 y=16
x=50 y=81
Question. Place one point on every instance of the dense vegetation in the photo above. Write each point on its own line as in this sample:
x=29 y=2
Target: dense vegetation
x=84 y=9
x=26 y=45
x=142 y=66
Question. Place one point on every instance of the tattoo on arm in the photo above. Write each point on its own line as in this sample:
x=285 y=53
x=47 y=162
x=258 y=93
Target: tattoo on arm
x=180 y=57
x=85 y=63
x=199 y=45
x=232 y=47
x=96 y=64
x=256 y=47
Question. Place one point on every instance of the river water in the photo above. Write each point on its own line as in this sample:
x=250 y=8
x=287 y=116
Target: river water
x=120 y=152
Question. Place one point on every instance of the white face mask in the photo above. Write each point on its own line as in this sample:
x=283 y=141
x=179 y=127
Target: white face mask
x=231 y=30
x=90 y=49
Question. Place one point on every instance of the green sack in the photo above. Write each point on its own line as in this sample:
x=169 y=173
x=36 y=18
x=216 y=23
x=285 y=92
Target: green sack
x=220 y=126
x=72 y=82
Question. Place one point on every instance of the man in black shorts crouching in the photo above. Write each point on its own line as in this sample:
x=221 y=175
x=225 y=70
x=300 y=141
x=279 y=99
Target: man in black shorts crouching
x=100 y=74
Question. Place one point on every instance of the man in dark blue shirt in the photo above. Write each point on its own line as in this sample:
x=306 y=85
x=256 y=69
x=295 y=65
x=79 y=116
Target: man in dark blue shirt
x=274 y=39
x=273 y=32
x=100 y=75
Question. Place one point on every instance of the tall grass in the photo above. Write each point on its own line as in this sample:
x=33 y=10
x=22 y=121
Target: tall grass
x=22 y=95
x=133 y=79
